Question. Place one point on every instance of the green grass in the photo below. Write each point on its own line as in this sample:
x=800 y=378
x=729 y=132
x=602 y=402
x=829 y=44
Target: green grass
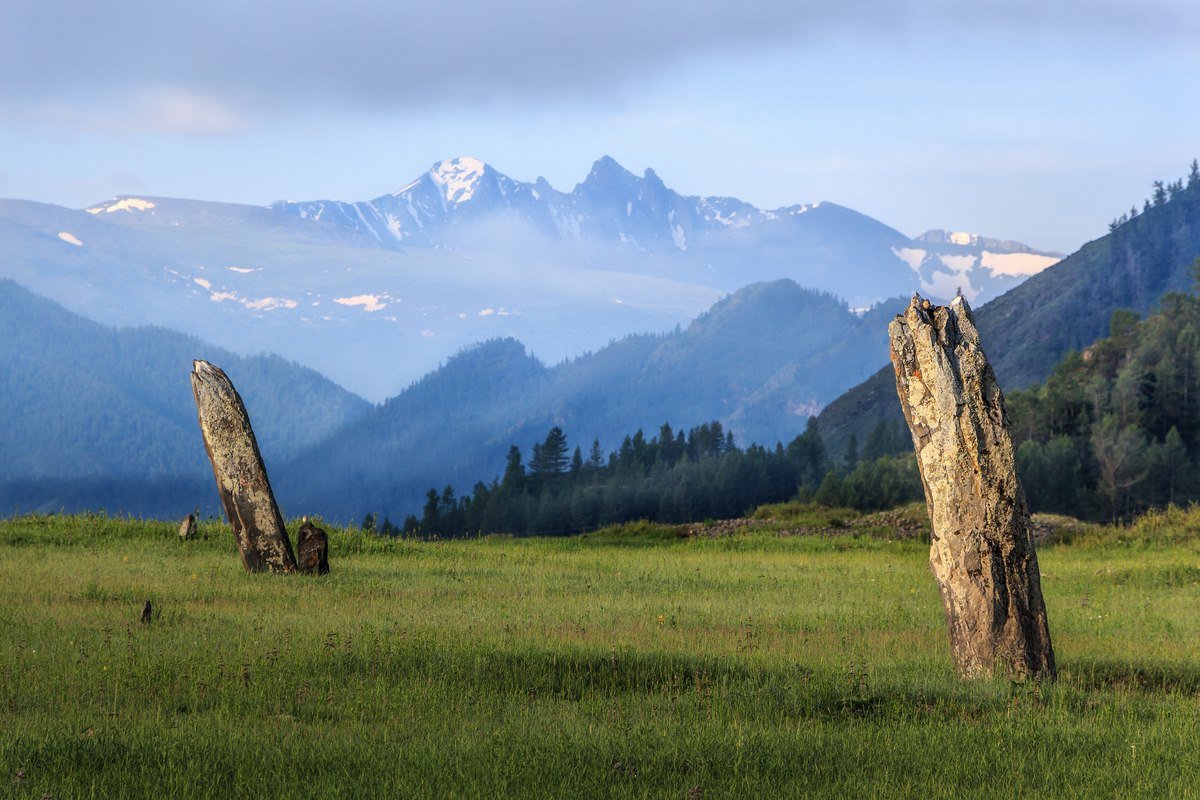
x=628 y=663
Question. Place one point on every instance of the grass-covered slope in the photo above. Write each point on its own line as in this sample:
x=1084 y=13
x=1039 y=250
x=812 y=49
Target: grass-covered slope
x=617 y=665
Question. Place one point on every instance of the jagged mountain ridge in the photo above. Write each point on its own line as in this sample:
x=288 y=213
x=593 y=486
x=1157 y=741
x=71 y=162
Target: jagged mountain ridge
x=612 y=207
x=611 y=204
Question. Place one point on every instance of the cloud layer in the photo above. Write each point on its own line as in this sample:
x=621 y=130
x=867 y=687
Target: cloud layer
x=204 y=67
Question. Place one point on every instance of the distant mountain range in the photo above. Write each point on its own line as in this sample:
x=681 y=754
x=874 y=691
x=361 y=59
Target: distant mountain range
x=375 y=294
x=718 y=241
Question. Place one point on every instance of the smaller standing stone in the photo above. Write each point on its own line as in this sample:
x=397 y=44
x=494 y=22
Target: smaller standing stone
x=147 y=613
x=187 y=528
x=312 y=551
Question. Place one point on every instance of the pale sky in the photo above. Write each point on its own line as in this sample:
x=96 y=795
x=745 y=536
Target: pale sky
x=1035 y=120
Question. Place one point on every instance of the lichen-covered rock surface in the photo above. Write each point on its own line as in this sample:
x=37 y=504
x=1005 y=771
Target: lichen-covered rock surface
x=981 y=548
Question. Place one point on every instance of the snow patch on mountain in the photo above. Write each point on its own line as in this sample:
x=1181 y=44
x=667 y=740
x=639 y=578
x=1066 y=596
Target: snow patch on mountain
x=394 y=227
x=676 y=232
x=1019 y=264
x=122 y=204
x=269 y=303
x=70 y=238
x=369 y=302
x=911 y=256
x=678 y=237
x=958 y=263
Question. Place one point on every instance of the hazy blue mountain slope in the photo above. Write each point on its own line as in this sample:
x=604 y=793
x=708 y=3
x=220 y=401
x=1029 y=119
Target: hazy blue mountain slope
x=1067 y=307
x=372 y=319
x=85 y=403
x=761 y=361
x=441 y=429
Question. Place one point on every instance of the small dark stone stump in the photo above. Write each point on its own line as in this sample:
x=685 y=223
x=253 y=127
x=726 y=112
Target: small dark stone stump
x=312 y=551
x=187 y=528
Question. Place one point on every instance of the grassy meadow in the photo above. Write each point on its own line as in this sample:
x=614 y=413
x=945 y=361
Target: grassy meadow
x=794 y=658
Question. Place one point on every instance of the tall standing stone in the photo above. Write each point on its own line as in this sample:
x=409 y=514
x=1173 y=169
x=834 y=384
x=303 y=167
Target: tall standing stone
x=981 y=550
x=241 y=476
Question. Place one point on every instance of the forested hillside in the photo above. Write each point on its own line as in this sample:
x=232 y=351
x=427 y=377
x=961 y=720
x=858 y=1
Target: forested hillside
x=761 y=361
x=1113 y=431
x=1116 y=428
x=99 y=417
x=1147 y=253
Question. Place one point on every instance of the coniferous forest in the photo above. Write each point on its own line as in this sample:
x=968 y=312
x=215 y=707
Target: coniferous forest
x=673 y=477
x=1116 y=428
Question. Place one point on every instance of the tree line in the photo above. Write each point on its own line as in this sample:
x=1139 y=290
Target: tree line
x=671 y=477
x=1161 y=194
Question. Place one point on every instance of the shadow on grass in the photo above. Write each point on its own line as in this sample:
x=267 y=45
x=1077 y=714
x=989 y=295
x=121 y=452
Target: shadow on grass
x=1124 y=676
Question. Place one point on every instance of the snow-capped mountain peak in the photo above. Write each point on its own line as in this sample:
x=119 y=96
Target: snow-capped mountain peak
x=458 y=178
x=614 y=213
